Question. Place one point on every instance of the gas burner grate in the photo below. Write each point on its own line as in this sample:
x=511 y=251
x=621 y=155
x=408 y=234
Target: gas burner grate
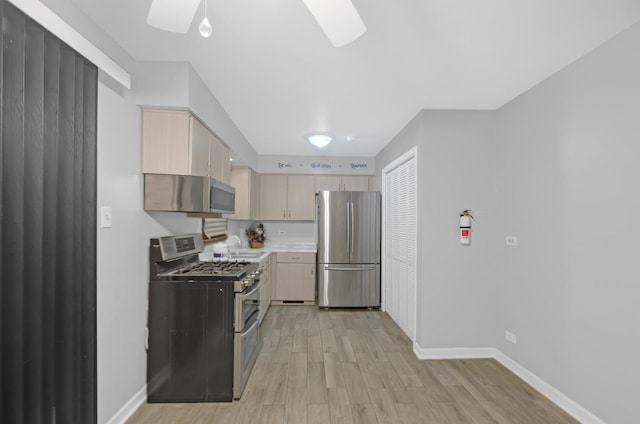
x=214 y=268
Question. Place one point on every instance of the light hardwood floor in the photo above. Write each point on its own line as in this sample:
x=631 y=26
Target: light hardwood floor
x=357 y=367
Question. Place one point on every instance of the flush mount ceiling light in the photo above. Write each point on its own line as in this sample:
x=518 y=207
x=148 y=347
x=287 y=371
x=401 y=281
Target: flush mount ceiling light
x=339 y=20
x=319 y=139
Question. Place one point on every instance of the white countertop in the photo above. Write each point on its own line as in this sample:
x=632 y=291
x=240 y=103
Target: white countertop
x=275 y=247
x=263 y=252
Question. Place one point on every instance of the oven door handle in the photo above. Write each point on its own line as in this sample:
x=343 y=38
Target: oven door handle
x=250 y=329
x=254 y=288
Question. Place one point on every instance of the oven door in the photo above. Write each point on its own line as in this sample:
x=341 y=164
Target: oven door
x=247 y=303
x=244 y=354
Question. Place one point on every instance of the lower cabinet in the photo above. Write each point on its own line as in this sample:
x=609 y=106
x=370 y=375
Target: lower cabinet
x=190 y=355
x=296 y=277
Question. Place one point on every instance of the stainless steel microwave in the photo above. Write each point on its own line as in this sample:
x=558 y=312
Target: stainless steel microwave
x=187 y=193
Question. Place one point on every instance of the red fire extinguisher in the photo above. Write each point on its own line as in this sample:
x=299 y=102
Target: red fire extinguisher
x=465 y=226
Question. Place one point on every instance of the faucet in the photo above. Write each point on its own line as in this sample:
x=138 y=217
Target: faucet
x=236 y=238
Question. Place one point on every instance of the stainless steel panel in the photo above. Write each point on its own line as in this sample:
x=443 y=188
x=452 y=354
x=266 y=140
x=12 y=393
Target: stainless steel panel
x=172 y=247
x=246 y=303
x=365 y=227
x=333 y=232
x=222 y=197
x=347 y=286
x=180 y=193
x=245 y=353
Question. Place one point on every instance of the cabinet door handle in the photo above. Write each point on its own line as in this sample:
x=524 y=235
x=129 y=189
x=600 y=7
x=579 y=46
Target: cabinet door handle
x=311 y=270
x=289 y=214
x=284 y=214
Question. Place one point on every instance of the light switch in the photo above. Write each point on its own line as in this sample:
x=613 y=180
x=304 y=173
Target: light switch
x=106 y=219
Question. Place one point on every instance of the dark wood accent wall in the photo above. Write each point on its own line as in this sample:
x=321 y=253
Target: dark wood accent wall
x=48 y=102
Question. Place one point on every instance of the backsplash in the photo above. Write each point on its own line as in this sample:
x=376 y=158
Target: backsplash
x=277 y=231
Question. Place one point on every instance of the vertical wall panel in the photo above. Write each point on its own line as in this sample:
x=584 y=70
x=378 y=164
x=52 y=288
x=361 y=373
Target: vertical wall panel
x=87 y=246
x=50 y=206
x=1 y=204
x=12 y=218
x=33 y=195
x=64 y=329
x=48 y=98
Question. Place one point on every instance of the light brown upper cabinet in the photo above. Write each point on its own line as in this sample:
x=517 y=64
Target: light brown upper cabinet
x=219 y=163
x=247 y=185
x=342 y=182
x=287 y=197
x=175 y=142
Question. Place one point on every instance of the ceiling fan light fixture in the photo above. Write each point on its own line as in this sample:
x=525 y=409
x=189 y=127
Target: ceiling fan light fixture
x=205 y=28
x=339 y=20
x=319 y=140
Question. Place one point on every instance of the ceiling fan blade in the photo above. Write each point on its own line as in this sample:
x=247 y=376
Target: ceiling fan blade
x=172 y=15
x=339 y=20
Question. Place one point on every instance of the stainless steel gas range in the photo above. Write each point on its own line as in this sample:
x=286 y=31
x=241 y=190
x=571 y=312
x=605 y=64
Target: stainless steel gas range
x=203 y=323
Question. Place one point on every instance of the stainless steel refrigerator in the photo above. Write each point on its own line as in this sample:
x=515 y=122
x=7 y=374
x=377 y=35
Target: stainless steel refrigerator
x=349 y=249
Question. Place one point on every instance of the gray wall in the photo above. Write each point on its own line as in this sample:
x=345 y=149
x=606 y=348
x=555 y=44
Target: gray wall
x=177 y=85
x=123 y=260
x=570 y=289
x=457 y=161
x=556 y=167
x=123 y=256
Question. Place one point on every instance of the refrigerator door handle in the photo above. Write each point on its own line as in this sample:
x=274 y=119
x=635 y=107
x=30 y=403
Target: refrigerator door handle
x=348 y=231
x=337 y=268
x=351 y=233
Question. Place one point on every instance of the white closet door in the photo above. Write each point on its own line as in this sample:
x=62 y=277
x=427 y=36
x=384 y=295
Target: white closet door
x=401 y=244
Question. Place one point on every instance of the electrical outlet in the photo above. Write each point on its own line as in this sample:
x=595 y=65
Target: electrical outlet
x=510 y=337
x=512 y=241
x=281 y=233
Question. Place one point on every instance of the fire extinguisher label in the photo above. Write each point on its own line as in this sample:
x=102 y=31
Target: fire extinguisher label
x=464 y=232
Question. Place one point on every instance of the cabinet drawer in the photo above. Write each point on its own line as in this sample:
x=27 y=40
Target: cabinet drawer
x=305 y=258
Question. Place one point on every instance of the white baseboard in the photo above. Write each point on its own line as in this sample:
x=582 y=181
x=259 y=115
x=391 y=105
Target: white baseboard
x=130 y=407
x=570 y=406
x=454 y=353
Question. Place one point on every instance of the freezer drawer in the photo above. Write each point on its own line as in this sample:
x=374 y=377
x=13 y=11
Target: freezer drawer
x=347 y=286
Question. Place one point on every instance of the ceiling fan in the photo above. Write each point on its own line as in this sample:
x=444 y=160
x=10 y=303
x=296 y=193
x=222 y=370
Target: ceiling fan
x=339 y=19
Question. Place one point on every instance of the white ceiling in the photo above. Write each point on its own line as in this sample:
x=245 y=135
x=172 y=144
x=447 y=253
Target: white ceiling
x=276 y=74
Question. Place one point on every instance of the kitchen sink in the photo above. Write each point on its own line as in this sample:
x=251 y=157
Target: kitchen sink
x=245 y=255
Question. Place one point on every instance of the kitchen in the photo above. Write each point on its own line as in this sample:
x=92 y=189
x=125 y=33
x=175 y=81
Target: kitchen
x=537 y=168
